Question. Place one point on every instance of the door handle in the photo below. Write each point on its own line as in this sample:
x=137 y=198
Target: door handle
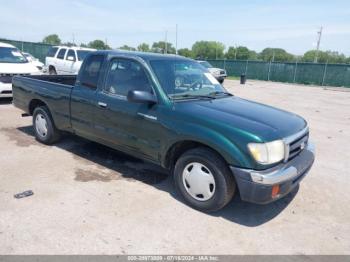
x=102 y=105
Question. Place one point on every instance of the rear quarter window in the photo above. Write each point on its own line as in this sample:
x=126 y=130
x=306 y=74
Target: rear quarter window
x=52 y=51
x=91 y=71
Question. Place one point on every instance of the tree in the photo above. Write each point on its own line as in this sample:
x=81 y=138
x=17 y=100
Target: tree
x=208 y=50
x=324 y=57
x=126 y=47
x=83 y=45
x=52 y=39
x=276 y=54
x=231 y=53
x=159 y=47
x=241 y=52
x=69 y=44
x=143 y=47
x=98 y=44
x=185 y=52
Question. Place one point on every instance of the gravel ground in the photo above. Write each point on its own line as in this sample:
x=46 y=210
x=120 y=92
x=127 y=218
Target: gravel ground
x=89 y=199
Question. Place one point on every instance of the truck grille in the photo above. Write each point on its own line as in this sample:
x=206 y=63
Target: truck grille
x=295 y=146
x=7 y=78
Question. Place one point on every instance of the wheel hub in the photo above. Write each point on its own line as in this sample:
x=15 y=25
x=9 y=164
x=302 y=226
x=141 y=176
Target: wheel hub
x=198 y=181
x=41 y=125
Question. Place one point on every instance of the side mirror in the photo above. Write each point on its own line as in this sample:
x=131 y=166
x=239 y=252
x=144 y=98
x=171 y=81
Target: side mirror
x=70 y=58
x=137 y=96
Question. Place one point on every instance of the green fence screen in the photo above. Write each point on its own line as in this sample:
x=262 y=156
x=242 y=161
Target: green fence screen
x=38 y=50
x=303 y=73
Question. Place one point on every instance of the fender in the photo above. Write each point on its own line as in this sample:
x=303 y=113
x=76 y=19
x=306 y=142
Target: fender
x=209 y=137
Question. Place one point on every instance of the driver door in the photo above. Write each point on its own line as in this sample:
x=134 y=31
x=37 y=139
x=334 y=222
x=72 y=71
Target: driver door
x=131 y=127
x=70 y=62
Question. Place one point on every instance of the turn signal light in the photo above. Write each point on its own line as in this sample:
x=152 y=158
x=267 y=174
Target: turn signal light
x=275 y=191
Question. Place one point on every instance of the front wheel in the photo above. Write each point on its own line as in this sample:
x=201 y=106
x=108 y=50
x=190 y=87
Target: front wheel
x=204 y=180
x=44 y=128
x=52 y=71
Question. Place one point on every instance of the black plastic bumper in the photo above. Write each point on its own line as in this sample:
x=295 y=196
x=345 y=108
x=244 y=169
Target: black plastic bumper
x=220 y=78
x=286 y=175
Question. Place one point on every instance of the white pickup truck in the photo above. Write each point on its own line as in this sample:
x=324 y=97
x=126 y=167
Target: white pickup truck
x=218 y=73
x=13 y=62
x=65 y=60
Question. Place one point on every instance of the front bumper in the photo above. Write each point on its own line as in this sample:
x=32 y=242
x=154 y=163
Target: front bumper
x=257 y=186
x=5 y=89
x=220 y=77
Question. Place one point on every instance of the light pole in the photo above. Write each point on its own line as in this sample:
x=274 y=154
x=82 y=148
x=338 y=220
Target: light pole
x=319 y=33
x=176 y=40
x=166 y=44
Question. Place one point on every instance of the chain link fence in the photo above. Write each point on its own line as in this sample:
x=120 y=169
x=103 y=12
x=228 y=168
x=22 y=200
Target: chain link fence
x=38 y=50
x=296 y=72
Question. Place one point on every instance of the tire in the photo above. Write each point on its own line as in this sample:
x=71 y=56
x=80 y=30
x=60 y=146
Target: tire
x=221 y=81
x=52 y=71
x=44 y=128
x=214 y=170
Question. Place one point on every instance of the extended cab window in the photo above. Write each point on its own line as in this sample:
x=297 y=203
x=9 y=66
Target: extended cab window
x=52 y=52
x=70 y=55
x=91 y=71
x=125 y=75
x=61 y=53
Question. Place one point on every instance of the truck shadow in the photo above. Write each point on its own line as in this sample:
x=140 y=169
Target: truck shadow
x=104 y=164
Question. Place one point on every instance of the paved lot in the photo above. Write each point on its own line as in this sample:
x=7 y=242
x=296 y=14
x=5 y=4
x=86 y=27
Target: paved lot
x=90 y=199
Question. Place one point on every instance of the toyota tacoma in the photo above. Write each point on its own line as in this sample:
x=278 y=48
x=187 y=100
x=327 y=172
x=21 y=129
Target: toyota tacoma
x=169 y=110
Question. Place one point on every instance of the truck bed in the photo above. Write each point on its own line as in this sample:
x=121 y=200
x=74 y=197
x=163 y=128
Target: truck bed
x=53 y=90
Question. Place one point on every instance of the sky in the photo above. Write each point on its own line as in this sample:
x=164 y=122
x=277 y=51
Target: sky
x=288 y=24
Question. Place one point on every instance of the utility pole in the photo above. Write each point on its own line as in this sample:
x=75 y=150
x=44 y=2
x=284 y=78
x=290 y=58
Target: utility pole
x=176 y=40
x=166 y=42
x=319 y=33
x=216 y=50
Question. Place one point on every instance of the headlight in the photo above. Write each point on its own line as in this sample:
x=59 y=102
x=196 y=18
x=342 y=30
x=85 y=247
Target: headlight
x=267 y=153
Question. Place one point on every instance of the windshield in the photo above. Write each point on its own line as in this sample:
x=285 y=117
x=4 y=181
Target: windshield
x=185 y=79
x=82 y=54
x=11 y=55
x=206 y=64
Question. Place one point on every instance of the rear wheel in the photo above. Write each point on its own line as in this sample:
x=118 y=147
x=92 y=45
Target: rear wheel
x=44 y=128
x=204 y=180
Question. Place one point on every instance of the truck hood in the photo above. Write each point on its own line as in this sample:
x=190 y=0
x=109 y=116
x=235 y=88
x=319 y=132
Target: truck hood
x=18 y=68
x=262 y=121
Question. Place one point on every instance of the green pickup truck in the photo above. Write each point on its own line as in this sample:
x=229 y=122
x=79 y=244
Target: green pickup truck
x=169 y=110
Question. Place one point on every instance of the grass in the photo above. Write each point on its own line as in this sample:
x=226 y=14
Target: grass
x=233 y=77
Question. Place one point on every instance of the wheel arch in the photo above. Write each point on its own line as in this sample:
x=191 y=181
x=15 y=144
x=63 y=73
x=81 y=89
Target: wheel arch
x=176 y=149
x=34 y=103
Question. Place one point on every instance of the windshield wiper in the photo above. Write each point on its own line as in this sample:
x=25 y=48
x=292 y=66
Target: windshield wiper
x=179 y=97
x=220 y=93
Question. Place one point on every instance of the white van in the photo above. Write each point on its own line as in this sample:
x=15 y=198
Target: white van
x=65 y=60
x=12 y=62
